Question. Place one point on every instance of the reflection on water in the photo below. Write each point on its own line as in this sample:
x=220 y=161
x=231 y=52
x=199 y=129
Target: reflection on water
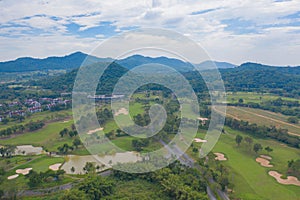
x=104 y=162
x=28 y=150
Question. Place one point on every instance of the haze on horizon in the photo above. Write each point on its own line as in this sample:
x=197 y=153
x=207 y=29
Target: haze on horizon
x=233 y=31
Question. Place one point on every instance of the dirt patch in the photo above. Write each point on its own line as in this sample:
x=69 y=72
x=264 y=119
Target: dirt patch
x=220 y=157
x=263 y=162
x=23 y=171
x=94 y=131
x=55 y=167
x=291 y=180
x=123 y=111
x=12 y=176
x=266 y=157
x=199 y=140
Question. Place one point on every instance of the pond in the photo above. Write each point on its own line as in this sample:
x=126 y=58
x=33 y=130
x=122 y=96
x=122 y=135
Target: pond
x=28 y=150
x=104 y=162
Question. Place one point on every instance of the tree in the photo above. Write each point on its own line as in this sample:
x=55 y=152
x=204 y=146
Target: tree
x=74 y=194
x=257 y=147
x=238 y=139
x=195 y=150
x=64 y=149
x=89 y=168
x=224 y=182
x=73 y=127
x=241 y=100
x=72 y=169
x=248 y=140
x=268 y=149
x=63 y=132
x=96 y=187
x=76 y=142
x=35 y=179
x=5 y=121
x=293 y=120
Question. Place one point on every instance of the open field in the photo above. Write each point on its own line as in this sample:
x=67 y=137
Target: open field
x=46 y=115
x=251 y=180
x=253 y=97
x=262 y=117
x=48 y=137
x=41 y=164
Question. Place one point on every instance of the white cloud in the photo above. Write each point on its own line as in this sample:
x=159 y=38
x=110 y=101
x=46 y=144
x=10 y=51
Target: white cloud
x=267 y=44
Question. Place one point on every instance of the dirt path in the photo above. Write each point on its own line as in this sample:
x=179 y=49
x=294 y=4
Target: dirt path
x=272 y=119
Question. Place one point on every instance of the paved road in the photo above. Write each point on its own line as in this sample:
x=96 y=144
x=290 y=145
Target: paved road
x=188 y=161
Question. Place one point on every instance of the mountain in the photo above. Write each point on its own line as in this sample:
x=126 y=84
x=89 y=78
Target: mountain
x=257 y=77
x=136 y=60
x=67 y=62
x=74 y=60
x=211 y=65
x=65 y=82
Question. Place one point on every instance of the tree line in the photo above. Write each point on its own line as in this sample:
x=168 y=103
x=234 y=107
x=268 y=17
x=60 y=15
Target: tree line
x=278 y=134
x=31 y=126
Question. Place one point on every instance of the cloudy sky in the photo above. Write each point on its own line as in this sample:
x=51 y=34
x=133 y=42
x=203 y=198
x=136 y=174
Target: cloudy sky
x=266 y=31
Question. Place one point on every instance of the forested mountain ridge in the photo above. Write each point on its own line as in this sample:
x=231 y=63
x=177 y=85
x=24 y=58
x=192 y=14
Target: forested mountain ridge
x=257 y=77
x=284 y=81
x=75 y=60
x=67 y=62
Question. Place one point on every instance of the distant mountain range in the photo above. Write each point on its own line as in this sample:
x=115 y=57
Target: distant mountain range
x=68 y=62
x=75 y=60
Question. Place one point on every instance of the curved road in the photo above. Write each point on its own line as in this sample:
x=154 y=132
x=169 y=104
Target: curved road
x=190 y=163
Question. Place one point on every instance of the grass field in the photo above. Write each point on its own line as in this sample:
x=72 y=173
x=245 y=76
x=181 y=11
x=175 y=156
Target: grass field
x=42 y=163
x=253 y=97
x=262 y=117
x=48 y=137
x=47 y=115
x=250 y=179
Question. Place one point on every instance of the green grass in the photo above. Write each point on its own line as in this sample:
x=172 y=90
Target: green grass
x=253 y=97
x=47 y=115
x=41 y=164
x=262 y=117
x=250 y=179
x=48 y=137
x=124 y=142
x=135 y=109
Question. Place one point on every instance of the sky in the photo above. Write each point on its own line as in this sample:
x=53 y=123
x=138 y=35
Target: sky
x=236 y=31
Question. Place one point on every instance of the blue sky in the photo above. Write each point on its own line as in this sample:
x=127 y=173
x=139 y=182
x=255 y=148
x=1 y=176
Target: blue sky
x=236 y=31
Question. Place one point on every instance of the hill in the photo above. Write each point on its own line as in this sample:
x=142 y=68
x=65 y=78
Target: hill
x=136 y=60
x=67 y=62
x=284 y=81
x=75 y=60
x=211 y=64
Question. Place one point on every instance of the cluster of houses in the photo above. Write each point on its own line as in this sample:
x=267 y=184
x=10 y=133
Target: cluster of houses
x=31 y=106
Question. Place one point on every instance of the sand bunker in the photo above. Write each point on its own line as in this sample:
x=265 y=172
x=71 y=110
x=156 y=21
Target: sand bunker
x=12 y=176
x=266 y=157
x=220 y=156
x=263 y=162
x=94 y=131
x=123 y=111
x=291 y=180
x=199 y=140
x=55 y=167
x=23 y=171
